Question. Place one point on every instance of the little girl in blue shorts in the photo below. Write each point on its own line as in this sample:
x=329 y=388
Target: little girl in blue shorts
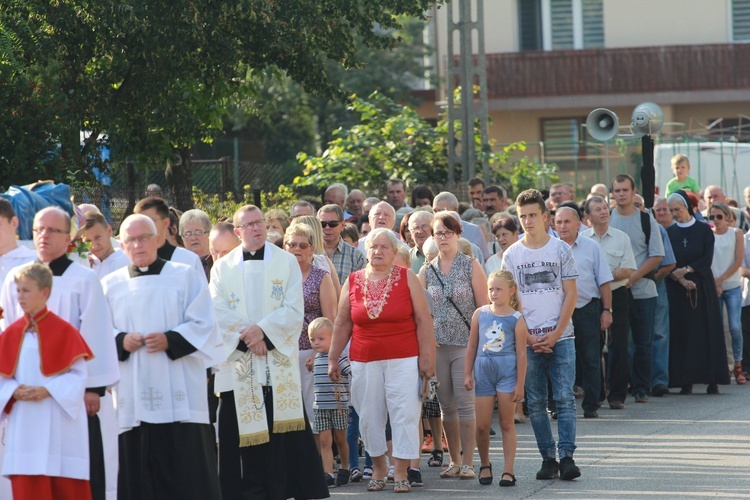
x=496 y=365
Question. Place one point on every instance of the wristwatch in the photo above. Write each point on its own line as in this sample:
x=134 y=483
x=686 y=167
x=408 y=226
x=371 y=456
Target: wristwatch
x=609 y=310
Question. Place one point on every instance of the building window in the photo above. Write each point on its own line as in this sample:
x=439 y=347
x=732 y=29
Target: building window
x=561 y=138
x=560 y=24
x=741 y=20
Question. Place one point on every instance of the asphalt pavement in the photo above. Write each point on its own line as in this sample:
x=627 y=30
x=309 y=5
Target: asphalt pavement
x=676 y=446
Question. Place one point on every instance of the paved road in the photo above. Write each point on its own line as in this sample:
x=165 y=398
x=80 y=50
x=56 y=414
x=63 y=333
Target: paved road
x=672 y=447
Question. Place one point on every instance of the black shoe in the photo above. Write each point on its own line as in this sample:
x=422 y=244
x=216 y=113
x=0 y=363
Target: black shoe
x=712 y=389
x=568 y=469
x=342 y=477
x=492 y=432
x=659 y=390
x=484 y=481
x=686 y=390
x=330 y=481
x=549 y=470
x=507 y=482
x=414 y=476
x=590 y=414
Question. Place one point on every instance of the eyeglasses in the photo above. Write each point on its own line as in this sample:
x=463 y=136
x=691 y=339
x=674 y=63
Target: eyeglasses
x=138 y=239
x=444 y=234
x=330 y=223
x=248 y=225
x=717 y=217
x=302 y=245
x=637 y=204
x=50 y=230
x=425 y=228
x=198 y=233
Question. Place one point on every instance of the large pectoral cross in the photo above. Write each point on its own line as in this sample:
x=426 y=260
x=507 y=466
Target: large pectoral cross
x=684 y=242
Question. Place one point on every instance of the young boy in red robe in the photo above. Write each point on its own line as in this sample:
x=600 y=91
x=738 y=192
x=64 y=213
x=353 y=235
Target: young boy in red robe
x=42 y=381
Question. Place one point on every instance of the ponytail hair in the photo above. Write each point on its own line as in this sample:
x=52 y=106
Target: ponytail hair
x=507 y=276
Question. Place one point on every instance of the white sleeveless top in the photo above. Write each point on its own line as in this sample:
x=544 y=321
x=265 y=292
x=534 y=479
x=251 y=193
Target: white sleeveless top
x=724 y=249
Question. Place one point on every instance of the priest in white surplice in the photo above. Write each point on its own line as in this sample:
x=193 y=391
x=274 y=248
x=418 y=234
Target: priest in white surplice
x=77 y=298
x=163 y=319
x=157 y=210
x=257 y=293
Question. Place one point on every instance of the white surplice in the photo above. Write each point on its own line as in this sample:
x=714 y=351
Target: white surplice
x=48 y=437
x=112 y=263
x=14 y=258
x=183 y=256
x=154 y=388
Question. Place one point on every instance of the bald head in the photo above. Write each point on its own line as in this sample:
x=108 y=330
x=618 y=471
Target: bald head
x=51 y=233
x=138 y=238
x=382 y=215
x=445 y=201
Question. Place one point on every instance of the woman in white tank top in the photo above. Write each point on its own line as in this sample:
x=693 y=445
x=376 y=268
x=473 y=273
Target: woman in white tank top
x=729 y=250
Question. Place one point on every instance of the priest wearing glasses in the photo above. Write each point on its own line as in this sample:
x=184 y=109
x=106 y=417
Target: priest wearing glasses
x=257 y=294
x=77 y=298
x=163 y=322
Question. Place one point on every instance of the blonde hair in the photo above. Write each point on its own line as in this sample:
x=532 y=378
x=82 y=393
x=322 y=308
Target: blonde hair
x=464 y=246
x=507 y=276
x=319 y=324
x=39 y=273
x=299 y=229
x=680 y=158
x=403 y=252
x=317 y=230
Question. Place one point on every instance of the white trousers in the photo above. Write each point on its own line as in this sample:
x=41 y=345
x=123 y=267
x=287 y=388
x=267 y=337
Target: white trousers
x=383 y=388
x=307 y=383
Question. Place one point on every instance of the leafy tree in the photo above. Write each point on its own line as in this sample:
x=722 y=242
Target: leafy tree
x=393 y=141
x=157 y=76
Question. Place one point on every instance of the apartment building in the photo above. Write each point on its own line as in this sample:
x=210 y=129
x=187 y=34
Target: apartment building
x=550 y=62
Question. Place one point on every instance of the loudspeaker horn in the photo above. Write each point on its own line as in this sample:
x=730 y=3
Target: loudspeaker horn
x=647 y=119
x=602 y=124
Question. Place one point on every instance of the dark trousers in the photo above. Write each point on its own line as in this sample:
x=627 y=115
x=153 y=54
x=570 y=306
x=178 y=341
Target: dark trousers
x=642 y=327
x=230 y=463
x=618 y=371
x=746 y=338
x=97 y=479
x=586 y=324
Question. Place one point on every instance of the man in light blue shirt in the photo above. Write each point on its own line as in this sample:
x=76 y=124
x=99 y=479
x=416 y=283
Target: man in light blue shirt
x=593 y=312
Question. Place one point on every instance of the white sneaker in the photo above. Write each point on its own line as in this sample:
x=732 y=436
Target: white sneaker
x=390 y=473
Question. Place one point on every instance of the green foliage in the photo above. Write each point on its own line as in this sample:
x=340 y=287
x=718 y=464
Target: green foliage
x=392 y=141
x=157 y=76
x=215 y=207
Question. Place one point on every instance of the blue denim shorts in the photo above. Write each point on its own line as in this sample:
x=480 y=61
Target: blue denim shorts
x=493 y=374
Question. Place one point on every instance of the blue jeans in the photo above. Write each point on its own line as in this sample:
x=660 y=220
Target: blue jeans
x=642 y=329
x=588 y=342
x=660 y=345
x=732 y=299
x=559 y=368
x=352 y=439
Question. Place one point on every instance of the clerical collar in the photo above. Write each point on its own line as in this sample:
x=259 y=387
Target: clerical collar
x=59 y=265
x=257 y=255
x=154 y=268
x=686 y=224
x=166 y=251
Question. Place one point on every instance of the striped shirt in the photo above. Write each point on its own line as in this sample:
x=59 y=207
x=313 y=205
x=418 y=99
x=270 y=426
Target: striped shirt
x=330 y=395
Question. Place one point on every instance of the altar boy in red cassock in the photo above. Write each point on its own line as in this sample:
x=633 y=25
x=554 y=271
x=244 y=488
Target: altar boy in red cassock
x=42 y=381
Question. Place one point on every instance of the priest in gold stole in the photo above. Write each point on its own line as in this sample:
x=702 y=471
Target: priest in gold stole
x=257 y=294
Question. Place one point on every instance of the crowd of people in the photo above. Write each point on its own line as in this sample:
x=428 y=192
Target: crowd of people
x=256 y=355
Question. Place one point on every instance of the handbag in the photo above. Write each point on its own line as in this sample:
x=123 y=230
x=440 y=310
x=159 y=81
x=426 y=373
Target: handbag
x=450 y=299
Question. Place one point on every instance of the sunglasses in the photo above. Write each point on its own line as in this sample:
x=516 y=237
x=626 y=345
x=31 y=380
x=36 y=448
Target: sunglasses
x=330 y=223
x=717 y=216
x=301 y=246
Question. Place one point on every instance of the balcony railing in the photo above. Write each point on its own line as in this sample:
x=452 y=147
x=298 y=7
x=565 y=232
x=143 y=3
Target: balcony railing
x=618 y=71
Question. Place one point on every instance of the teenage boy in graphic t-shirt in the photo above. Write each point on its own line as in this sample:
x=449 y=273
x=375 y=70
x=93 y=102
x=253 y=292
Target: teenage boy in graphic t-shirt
x=546 y=273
